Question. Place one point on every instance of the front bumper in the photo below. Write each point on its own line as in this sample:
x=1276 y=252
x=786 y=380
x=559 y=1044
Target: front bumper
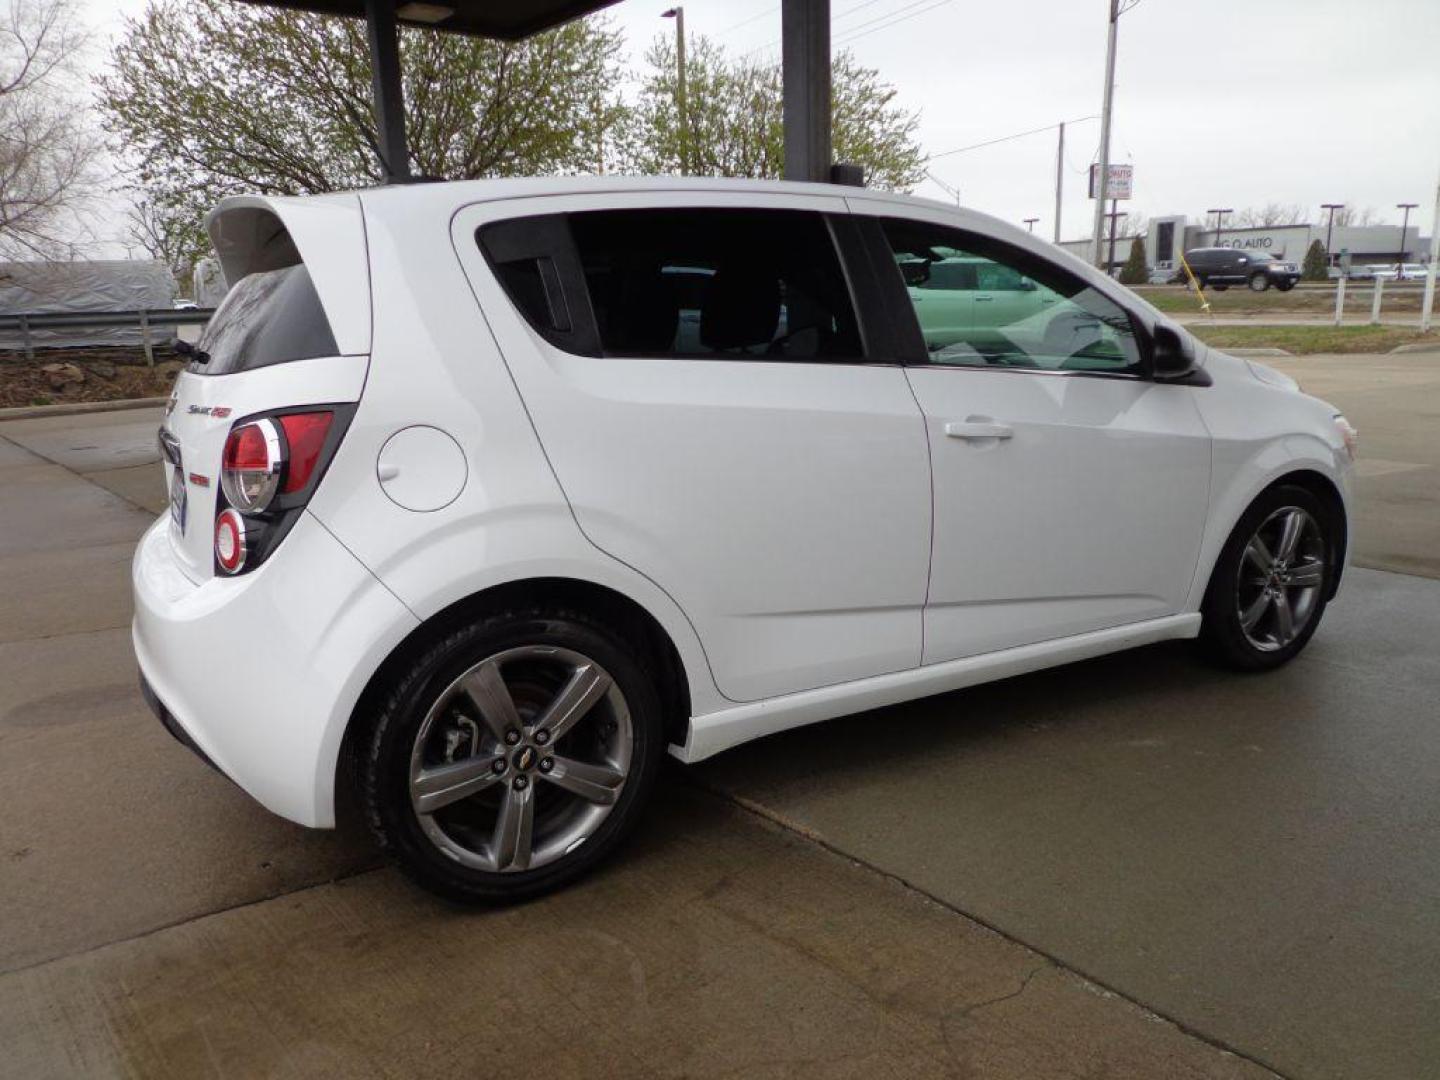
x=260 y=673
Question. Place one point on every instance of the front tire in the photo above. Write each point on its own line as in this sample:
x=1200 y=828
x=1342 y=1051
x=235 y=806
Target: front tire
x=1272 y=581
x=513 y=755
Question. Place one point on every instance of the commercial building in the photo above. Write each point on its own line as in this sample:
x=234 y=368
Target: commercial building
x=1170 y=235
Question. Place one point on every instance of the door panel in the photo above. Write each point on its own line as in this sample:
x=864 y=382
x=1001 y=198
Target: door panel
x=1088 y=516
x=785 y=506
x=1070 y=492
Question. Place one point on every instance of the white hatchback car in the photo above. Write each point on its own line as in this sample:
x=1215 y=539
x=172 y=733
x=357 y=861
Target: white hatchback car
x=487 y=493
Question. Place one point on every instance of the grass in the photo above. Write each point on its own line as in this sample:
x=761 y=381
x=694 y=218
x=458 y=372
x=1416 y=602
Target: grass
x=1312 y=339
x=1238 y=300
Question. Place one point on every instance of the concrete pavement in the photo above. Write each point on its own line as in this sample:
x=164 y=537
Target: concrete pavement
x=1017 y=880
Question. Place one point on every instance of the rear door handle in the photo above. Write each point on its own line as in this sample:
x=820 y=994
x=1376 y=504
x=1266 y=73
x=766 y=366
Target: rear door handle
x=977 y=429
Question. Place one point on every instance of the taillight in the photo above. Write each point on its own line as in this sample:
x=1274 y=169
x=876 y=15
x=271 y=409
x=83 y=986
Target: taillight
x=305 y=433
x=250 y=466
x=268 y=470
x=230 y=547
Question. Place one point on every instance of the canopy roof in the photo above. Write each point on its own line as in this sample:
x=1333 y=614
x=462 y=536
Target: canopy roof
x=509 y=20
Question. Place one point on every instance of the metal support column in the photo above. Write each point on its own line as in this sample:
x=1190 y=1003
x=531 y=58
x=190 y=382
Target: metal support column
x=805 y=55
x=389 y=97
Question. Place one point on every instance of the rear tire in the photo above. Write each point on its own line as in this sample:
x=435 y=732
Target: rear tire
x=512 y=756
x=1272 y=580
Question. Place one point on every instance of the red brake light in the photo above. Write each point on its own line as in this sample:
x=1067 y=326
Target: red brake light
x=305 y=432
x=245 y=449
x=250 y=466
x=230 y=547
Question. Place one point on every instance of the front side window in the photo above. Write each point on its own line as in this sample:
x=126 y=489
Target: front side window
x=982 y=303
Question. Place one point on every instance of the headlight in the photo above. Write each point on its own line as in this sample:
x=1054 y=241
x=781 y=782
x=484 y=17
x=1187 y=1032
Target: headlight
x=1348 y=434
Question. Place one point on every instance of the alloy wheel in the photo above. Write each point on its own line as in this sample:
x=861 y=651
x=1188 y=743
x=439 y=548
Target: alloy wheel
x=521 y=758
x=1281 y=573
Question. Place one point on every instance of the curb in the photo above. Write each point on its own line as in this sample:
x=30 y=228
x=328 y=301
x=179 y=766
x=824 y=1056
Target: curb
x=71 y=408
x=1417 y=347
x=1258 y=351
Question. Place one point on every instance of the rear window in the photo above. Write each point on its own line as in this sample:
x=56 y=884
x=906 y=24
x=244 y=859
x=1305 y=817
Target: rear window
x=270 y=317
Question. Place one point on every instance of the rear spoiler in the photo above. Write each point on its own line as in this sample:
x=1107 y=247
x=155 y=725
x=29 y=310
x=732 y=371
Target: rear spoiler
x=252 y=233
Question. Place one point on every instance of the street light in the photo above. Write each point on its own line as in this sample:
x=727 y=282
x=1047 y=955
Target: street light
x=678 y=14
x=1030 y=221
x=1219 y=218
x=1400 y=265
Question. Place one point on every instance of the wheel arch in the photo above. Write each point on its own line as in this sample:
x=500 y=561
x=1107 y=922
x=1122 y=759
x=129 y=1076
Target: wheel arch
x=632 y=619
x=1313 y=480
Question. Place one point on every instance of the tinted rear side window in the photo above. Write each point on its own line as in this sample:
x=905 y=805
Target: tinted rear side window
x=271 y=317
x=692 y=282
x=762 y=284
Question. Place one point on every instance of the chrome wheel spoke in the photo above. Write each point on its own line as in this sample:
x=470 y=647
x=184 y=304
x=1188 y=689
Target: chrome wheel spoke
x=599 y=784
x=580 y=694
x=512 y=842
x=1252 y=615
x=1290 y=530
x=1284 y=619
x=444 y=784
x=1308 y=576
x=486 y=689
x=1259 y=555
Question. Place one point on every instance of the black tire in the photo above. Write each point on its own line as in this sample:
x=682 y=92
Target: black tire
x=1219 y=288
x=1285 y=286
x=1259 y=282
x=1222 y=633
x=385 y=777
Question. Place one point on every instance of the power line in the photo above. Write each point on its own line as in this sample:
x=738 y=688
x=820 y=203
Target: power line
x=747 y=22
x=1009 y=138
x=850 y=35
x=854 y=33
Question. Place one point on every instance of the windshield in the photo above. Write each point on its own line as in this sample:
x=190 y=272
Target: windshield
x=270 y=317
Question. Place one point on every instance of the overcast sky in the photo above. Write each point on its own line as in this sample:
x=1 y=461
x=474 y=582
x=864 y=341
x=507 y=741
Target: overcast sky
x=1223 y=103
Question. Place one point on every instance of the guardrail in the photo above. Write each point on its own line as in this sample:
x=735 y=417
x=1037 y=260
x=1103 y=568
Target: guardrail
x=144 y=319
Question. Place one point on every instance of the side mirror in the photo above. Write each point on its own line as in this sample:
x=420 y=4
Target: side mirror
x=1172 y=358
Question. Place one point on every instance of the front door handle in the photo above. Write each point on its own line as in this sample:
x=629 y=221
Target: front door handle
x=977 y=429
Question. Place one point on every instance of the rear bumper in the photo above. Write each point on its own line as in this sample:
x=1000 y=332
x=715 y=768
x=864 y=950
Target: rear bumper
x=259 y=674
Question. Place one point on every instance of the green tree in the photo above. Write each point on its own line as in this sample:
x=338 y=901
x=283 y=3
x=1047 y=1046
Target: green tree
x=208 y=98
x=1316 y=264
x=1135 y=272
x=735 y=119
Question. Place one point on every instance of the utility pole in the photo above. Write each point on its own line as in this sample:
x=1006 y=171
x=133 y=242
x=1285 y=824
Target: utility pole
x=1427 y=306
x=1030 y=221
x=1219 y=219
x=1100 y=188
x=1329 y=228
x=1115 y=215
x=953 y=192
x=678 y=14
x=1400 y=262
x=1059 y=178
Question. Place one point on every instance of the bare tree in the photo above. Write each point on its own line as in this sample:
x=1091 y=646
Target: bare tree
x=46 y=150
x=1270 y=215
x=1357 y=216
x=163 y=237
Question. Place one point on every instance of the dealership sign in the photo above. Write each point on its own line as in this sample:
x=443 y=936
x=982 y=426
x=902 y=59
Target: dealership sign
x=1119 y=183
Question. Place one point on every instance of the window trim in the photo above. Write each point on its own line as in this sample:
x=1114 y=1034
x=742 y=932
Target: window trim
x=878 y=342
x=913 y=351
